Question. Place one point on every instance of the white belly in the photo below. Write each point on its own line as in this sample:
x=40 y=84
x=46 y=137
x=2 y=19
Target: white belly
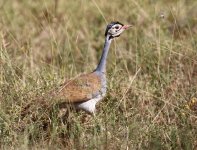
x=89 y=106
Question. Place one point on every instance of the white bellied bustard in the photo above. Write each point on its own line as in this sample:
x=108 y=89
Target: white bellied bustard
x=88 y=89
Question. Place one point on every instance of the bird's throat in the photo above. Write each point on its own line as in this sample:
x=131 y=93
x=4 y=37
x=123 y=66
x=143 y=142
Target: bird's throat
x=103 y=60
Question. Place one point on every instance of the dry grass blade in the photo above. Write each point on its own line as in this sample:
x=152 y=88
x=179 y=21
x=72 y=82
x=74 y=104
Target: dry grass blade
x=152 y=70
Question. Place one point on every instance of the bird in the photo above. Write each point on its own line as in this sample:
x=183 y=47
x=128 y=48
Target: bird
x=86 y=90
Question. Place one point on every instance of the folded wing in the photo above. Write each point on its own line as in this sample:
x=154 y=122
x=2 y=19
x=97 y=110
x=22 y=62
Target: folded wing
x=80 y=89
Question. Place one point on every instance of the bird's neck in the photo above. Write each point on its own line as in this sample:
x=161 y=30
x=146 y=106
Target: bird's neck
x=102 y=63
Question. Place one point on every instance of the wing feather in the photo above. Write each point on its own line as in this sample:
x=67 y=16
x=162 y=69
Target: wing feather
x=79 y=89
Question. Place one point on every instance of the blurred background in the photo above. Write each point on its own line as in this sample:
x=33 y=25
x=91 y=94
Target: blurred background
x=152 y=71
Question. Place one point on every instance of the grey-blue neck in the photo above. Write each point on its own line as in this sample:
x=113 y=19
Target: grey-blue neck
x=102 y=64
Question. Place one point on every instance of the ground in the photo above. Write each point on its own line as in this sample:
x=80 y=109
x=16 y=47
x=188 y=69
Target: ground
x=152 y=73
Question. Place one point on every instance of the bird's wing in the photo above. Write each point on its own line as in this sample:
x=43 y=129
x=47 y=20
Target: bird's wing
x=80 y=89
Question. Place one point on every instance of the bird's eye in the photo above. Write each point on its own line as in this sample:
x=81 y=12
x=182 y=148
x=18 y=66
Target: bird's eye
x=116 y=27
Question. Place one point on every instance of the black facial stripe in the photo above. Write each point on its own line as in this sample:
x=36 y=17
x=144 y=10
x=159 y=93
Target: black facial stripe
x=118 y=23
x=119 y=29
x=117 y=35
x=111 y=37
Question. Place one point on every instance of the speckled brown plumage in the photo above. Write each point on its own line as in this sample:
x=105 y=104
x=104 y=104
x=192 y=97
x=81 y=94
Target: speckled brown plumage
x=79 y=89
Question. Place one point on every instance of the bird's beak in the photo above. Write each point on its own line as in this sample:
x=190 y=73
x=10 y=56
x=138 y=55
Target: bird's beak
x=126 y=26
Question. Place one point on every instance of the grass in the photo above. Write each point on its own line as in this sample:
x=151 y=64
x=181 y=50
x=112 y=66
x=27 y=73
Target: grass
x=152 y=68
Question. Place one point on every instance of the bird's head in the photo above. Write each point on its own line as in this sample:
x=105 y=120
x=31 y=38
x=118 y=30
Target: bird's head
x=114 y=29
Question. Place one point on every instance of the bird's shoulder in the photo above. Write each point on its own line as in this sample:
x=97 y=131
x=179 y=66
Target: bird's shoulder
x=79 y=89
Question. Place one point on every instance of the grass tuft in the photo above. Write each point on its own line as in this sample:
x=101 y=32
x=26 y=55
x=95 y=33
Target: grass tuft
x=152 y=68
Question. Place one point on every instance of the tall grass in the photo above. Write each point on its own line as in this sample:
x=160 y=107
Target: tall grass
x=152 y=73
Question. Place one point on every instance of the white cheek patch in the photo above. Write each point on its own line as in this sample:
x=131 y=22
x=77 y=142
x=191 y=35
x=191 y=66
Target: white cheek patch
x=117 y=33
x=112 y=31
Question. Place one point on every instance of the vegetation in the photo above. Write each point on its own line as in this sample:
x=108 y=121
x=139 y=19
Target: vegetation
x=152 y=73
